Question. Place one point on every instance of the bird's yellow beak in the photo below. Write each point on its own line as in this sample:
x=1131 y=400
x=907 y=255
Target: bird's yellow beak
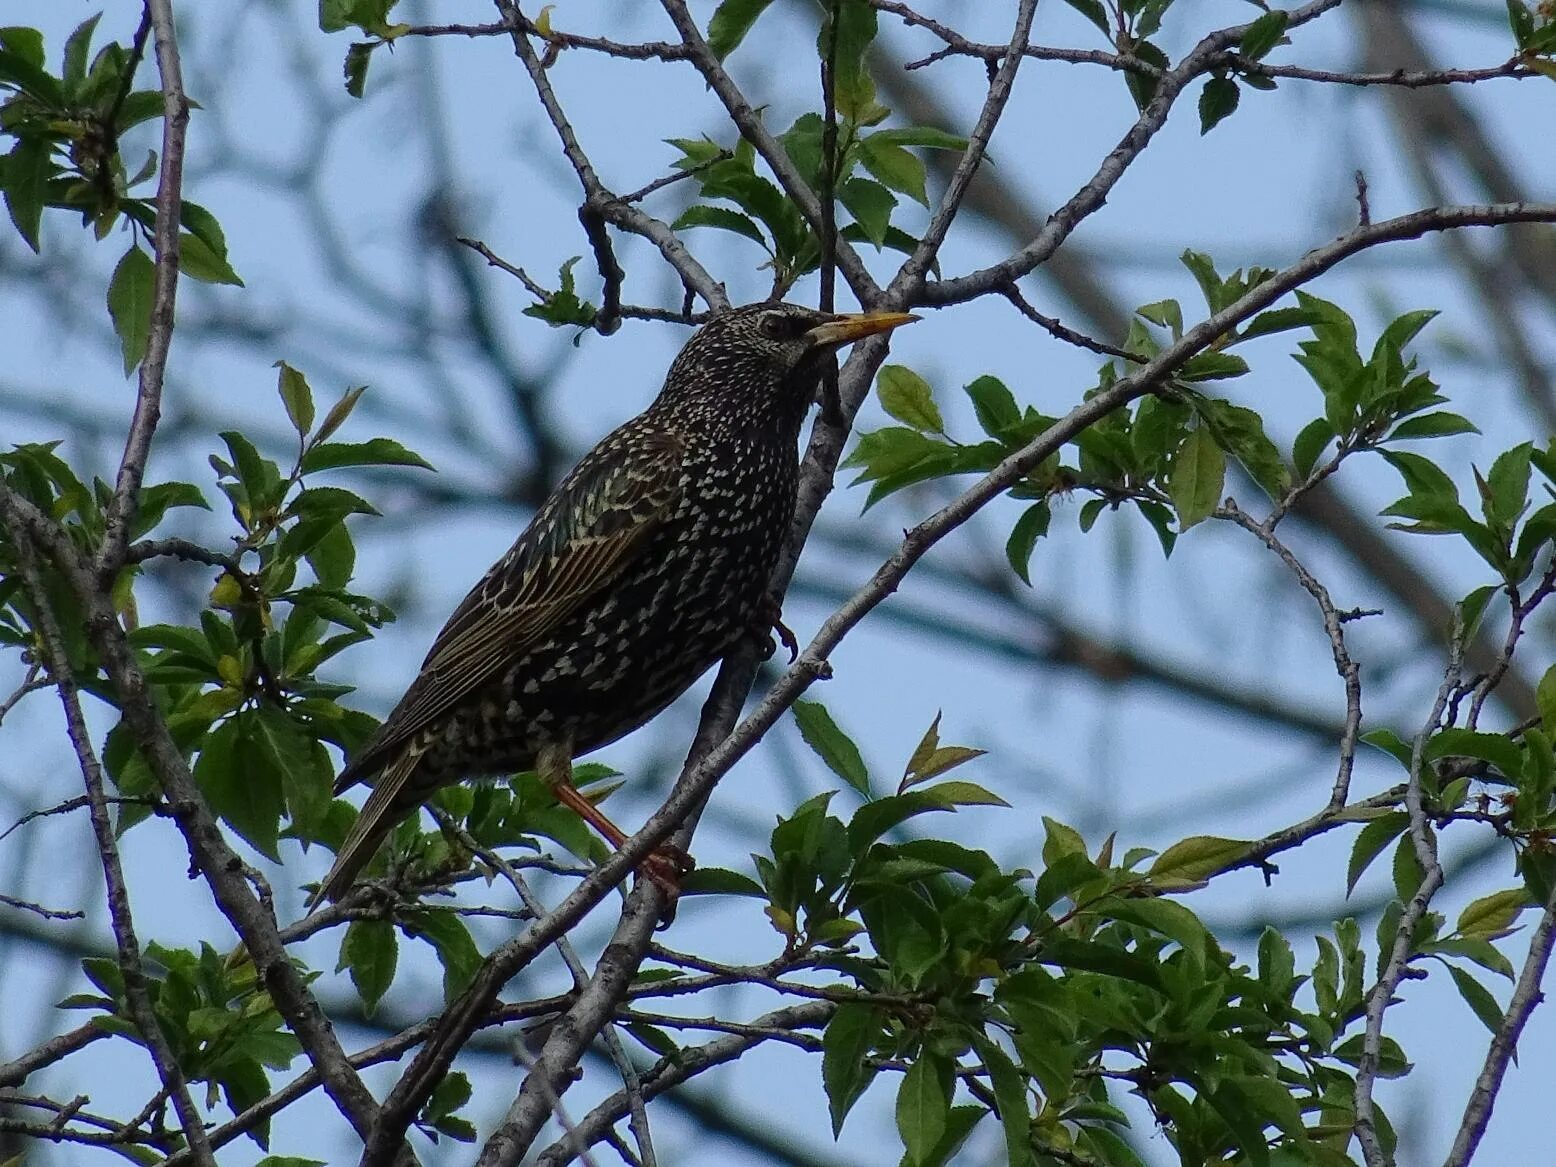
x=846 y=329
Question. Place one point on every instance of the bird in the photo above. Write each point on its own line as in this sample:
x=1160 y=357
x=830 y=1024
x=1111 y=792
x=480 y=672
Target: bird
x=648 y=562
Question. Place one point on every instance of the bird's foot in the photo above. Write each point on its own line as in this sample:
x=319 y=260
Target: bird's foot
x=665 y=866
x=767 y=620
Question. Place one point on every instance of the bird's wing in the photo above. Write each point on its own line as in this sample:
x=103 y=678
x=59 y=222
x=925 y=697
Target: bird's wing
x=583 y=537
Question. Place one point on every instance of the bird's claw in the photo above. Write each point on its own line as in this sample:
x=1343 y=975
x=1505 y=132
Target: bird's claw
x=769 y=620
x=665 y=867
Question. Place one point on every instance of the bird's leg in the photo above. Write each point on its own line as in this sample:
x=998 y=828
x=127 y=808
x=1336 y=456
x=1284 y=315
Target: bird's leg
x=767 y=619
x=665 y=865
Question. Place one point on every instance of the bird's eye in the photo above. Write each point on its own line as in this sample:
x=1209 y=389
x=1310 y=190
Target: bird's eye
x=776 y=326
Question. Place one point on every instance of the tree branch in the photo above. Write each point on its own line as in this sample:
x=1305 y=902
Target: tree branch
x=153 y=367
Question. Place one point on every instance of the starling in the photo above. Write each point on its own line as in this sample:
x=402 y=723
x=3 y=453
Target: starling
x=644 y=567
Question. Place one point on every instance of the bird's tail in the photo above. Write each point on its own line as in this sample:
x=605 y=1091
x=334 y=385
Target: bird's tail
x=380 y=814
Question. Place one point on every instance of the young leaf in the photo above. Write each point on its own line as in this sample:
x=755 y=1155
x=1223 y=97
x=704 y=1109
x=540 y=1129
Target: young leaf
x=297 y=397
x=1196 y=477
x=832 y=745
x=702 y=215
x=374 y=452
x=730 y=23
x=894 y=166
x=1190 y=861
x=908 y=398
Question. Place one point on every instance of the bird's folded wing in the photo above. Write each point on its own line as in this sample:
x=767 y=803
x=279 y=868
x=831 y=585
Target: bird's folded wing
x=585 y=535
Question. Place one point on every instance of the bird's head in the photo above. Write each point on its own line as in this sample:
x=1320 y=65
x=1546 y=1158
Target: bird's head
x=762 y=362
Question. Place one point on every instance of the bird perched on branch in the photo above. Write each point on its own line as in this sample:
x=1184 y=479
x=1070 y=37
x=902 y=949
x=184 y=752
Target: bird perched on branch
x=646 y=565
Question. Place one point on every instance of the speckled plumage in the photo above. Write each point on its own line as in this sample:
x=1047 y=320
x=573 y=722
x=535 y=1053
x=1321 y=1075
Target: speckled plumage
x=642 y=568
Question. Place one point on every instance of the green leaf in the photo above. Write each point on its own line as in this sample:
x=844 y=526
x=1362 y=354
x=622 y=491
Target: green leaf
x=1494 y=915
x=730 y=23
x=894 y=166
x=25 y=43
x=359 y=55
x=832 y=745
x=926 y=136
x=1059 y=840
x=1488 y=747
x=242 y=784
x=1507 y=485
x=1196 y=476
x=1478 y=998
x=923 y=1104
x=1432 y=425
x=370 y=952
x=1029 y=528
x=1263 y=35
x=1240 y=432
x=304 y=766
x=853 y=87
x=1191 y=861
x=1310 y=443
x=27 y=170
x=871 y=205
x=702 y=215
x=703 y=881
x=374 y=452
x=198 y=261
x=994 y=405
x=1275 y=320
x=907 y=397
x=849 y=1037
x=1141 y=86
x=1521 y=21
x=1371 y=840
x=77 y=46
x=297 y=396
x=339 y=412
x=1216 y=101
x=1277 y=963
x=563 y=307
x=1011 y=1095
x=874 y=819
x=451 y=940
x=129 y=304
x=1093 y=11
x=931 y=759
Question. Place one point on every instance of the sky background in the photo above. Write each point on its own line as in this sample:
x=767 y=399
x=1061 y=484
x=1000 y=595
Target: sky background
x=326 y=205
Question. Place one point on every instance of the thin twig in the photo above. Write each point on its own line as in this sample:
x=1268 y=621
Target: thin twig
x=40 y=910
x=121 y=509
x=1424 y=844
x=601 y=203
x=1334 y=626
x=1060 y=331
x=31 y=683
